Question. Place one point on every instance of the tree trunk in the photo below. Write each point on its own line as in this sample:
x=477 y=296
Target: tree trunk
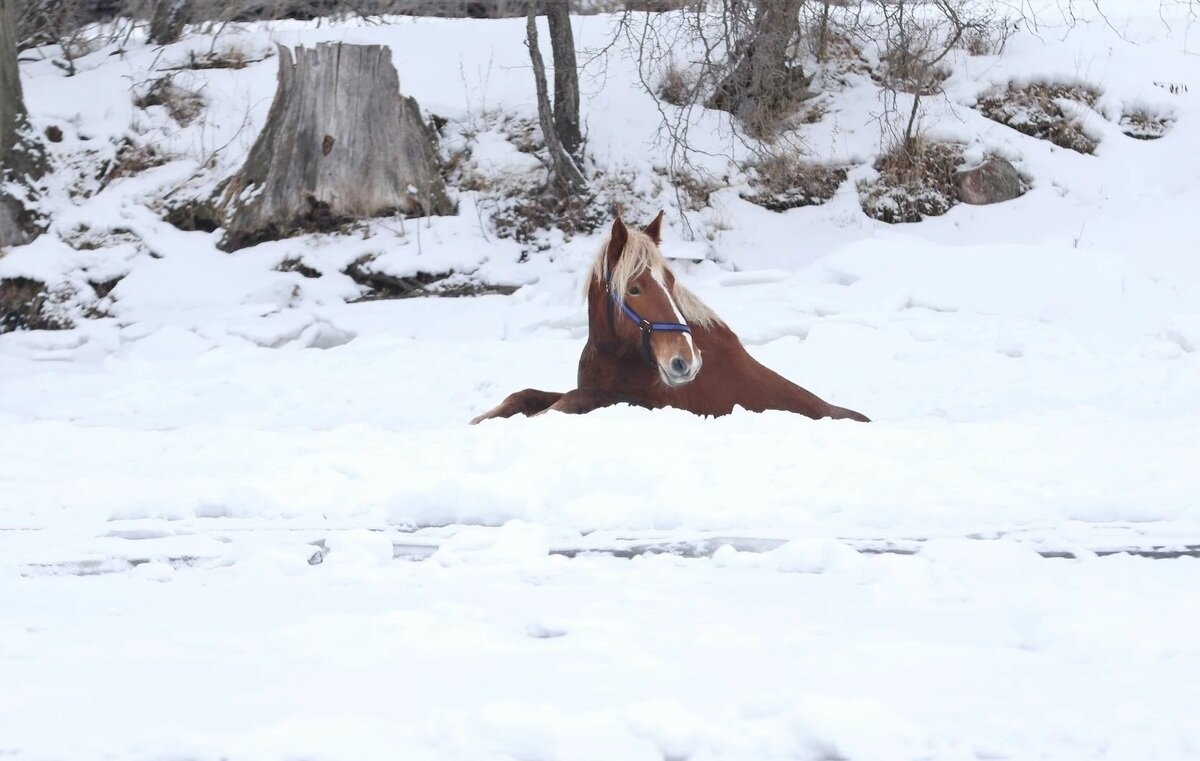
x=762 y=86
x=565 y=175
x=566 y=76
x=341 y=143
x=168 y=20
x=22 y=159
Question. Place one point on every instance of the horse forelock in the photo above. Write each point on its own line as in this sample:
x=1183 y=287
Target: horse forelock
x=641 y=253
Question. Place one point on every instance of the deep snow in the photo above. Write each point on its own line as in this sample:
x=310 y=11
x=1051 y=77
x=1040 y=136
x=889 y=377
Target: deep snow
x=170 y=476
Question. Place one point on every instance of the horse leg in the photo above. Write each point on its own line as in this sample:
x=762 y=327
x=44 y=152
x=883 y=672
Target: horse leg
x=527 y=402
x=583 y=400
x=782 y=394
x=841 y=413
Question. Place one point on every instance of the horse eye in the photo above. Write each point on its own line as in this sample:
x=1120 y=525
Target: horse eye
x=634 y=290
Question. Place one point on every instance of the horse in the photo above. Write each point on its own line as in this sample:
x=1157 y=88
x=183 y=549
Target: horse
x=652 y=343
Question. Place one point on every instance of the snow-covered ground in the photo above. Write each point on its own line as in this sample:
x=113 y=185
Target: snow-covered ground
x=241 y=518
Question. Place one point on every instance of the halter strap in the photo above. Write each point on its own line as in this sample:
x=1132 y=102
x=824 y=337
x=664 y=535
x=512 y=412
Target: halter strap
x=646 y=326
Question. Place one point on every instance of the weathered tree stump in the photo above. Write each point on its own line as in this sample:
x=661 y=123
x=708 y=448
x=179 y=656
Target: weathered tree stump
x=341 y=143
x=22 y=158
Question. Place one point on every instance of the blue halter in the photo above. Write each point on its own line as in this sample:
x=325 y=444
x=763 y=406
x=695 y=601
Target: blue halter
x=646 y=326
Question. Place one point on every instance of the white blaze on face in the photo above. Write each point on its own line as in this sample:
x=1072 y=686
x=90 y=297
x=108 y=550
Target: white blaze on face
x=662 y=283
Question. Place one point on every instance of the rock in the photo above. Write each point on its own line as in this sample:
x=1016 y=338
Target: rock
x=993 y=181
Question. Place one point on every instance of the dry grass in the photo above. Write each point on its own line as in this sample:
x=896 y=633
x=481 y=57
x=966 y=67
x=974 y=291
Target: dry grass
x=85 y=238
x=695 y=189
x=232 y=57
x=1034 y=110
x=981 y=40
x=812 y=112
x=518 y=202
x=182 y=104
x=298 y=266
x=131 y=159
x=676 y=87
x=771 y=117
x=783 y=181
x=461 y=171
x=524 y=134
x=914 y=182
x=1141 y=123
x=526 y=210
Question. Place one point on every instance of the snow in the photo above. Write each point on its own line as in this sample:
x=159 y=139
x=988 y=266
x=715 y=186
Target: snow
x=242 y=518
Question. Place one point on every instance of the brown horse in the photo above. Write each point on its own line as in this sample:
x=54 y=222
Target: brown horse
x=652 y=343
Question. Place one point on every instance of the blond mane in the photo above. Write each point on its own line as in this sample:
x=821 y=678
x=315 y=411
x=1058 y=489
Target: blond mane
x=642 y=253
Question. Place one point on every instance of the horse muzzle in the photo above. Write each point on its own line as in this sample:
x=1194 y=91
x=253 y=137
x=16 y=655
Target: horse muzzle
x=680 y=372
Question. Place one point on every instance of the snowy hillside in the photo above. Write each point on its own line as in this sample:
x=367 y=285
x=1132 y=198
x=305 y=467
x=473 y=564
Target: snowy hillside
x=242 y=515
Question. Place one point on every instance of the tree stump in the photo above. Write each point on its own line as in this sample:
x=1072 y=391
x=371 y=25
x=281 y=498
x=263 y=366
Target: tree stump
x=341 y=143
x=22 y=158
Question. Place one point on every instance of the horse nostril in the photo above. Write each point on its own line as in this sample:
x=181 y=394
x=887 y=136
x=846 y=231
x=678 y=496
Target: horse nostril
x=678 y=366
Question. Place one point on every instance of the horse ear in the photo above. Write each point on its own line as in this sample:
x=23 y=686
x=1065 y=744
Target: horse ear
x=616 y=242
x=654 y=229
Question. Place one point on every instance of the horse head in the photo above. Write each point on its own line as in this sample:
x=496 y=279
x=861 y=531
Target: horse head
x=636 y=291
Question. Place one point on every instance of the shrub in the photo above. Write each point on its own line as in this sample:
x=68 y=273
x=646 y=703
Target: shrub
x=783 y=181
x=1034 y=110
x=915 y=181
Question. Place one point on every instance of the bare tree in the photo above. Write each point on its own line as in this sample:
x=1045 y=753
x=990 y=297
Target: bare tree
x=566 y=76
x=168 y=20
x=565 y=174
x=42 y=22
x=763 y=80
x=22 y=158
x=914 y=48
